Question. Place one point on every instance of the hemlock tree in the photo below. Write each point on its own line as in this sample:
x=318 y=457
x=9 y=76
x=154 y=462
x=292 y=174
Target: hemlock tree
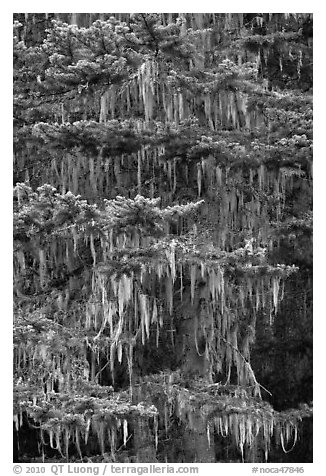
x=162 y=232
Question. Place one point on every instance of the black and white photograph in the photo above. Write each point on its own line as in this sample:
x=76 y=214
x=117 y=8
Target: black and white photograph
x=162 y=241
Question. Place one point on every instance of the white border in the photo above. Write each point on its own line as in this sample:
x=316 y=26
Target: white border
x=8 y=9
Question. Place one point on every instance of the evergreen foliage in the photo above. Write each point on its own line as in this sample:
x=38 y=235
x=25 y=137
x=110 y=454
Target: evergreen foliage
x=162 y=234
